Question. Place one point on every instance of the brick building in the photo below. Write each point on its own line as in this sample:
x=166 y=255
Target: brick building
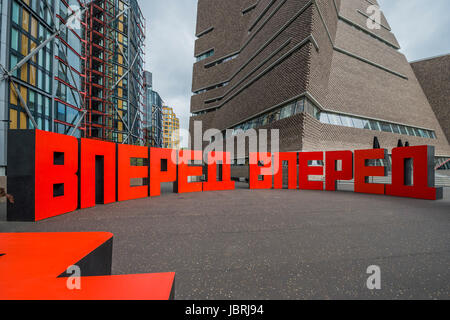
x=434 y=76
x=314 y=70
x=72 y=67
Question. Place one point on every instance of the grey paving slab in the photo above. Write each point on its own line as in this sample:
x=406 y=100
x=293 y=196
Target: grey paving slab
x=276 y=244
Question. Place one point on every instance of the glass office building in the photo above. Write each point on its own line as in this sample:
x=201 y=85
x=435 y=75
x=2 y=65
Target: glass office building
x=153 y=114
x=31 y=22
x=73 y=67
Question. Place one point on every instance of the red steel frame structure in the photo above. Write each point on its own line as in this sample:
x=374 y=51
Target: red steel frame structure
x=98 y=69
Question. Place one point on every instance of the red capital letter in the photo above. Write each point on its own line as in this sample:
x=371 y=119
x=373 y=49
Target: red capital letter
x=363 y=171
x=224 y=182
x=256 y=170
x=127 y=172
x=291 y=159
x=419 y=160
x=97 y=161
x=306 y=170
x=56 y=167
x=184 y=171
x=163 y=168
x=332 y=174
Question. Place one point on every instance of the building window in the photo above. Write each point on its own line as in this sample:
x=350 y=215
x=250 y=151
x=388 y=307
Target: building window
x=306 y=106
x=442 y=163
x=15 y=12
x=219 y=85
x=229 y=58
x=14 y=39
x=347 y=121
x=205 y=55
x=61 y=112
x=386 y=127
x=335 y=119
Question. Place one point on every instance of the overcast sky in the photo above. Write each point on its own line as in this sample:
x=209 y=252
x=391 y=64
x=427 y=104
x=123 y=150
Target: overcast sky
x=422 y=28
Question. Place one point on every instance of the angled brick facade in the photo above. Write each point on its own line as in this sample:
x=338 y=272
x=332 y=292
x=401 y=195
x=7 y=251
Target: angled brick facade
x=350 y=82
x=434 y=76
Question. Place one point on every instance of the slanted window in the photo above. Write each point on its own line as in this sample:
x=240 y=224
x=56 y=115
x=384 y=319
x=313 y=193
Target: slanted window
x=205 y=55
x=386 y=127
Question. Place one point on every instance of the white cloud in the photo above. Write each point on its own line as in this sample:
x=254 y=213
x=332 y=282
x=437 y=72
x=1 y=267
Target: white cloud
x=170 y=51
x=421 y=27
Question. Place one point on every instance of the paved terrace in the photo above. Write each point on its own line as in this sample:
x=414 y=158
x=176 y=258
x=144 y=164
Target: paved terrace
x=276 y=244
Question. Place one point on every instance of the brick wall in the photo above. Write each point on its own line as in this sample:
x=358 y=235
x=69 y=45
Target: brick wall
x=434 y=77
x=338 y=81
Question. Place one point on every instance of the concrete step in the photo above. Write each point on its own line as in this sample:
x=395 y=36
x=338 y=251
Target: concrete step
x=441 y=181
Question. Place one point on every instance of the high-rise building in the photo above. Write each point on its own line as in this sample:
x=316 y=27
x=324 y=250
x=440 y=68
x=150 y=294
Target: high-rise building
x=72 y=67
x=153 y=124
x=171 y=126
x=434 y=77
x=43 y=75
x=324 y=72
x=115 y=70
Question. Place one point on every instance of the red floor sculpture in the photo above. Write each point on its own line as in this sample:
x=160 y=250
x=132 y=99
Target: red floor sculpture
x=33 y=266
